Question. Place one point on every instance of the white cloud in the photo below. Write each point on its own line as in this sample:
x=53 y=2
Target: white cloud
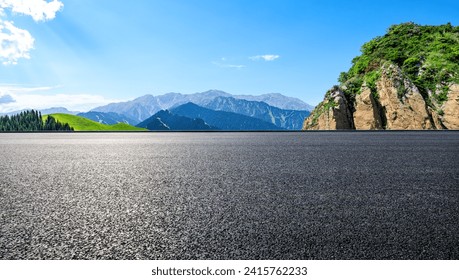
x=16 y=43
x=265 y=57
x=39 y=10
x=14 y=88
x=223 y=65
x=37 y=98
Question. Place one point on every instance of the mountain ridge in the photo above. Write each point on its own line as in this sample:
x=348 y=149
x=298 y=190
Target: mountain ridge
x=145 y=106
x=165 y=120
x=287 y=119
x=221 y=119
x=110 y=118
x=278 y=100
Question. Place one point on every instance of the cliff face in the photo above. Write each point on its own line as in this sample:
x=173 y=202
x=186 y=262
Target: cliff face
x=333 y=113
x=397 y=104
x=407 y=79
x=402 y=104
x=450 y=118
x=367 y=113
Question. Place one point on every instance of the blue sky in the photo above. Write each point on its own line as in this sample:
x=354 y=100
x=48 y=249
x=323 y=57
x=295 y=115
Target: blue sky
x=93 y=52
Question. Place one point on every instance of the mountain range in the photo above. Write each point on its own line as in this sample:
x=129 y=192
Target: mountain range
x=221 y=119
x=145 y=106
x=287 y=119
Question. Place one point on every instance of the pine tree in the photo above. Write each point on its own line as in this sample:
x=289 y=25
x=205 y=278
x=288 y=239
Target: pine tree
x=31 y=121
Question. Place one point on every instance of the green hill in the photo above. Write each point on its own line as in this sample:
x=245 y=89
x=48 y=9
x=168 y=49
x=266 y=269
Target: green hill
x=31 y=120
x=82 y=124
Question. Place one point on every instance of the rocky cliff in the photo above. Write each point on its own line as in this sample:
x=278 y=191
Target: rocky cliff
x=397 y=105
x=450 y=118
x=333 y=113
x=393 y=90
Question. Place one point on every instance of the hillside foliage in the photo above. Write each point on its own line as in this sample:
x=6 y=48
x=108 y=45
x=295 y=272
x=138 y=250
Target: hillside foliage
x=31 y=121
x=83 y=124
x=427 y=55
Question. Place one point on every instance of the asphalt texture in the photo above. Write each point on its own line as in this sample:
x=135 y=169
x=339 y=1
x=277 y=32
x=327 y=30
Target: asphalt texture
x=315 y=195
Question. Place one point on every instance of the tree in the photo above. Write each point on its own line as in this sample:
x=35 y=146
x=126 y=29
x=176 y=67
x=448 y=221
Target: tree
x=31 y=121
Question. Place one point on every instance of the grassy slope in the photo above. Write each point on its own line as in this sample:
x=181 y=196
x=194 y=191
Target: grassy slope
x=82 y=124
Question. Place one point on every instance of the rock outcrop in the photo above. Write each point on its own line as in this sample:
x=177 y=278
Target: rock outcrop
x=367 y=111
x=450 y=118
x=334 y=113
x=402 y=103
x=397 y=104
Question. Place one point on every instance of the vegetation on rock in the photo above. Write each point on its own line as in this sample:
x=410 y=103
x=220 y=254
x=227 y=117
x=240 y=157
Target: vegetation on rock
x=427 y=55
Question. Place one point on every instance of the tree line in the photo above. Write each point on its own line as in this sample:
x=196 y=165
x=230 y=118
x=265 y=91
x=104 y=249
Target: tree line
x=32 y=121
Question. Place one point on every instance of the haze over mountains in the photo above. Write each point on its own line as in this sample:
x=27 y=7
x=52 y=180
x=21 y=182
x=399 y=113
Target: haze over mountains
x=53 y=110
x=278 y=100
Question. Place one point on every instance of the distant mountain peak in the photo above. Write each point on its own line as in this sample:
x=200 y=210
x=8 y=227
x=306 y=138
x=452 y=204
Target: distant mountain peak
x=145 y=97
x=214 y=92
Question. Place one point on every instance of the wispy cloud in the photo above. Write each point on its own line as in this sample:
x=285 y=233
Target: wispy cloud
x=38 y=98
x=16 y=43
x=223 y=64
x=265 y=57
x=16 y=88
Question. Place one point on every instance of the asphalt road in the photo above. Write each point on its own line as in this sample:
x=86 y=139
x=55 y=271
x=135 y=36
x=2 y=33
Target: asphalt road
x=343 y=195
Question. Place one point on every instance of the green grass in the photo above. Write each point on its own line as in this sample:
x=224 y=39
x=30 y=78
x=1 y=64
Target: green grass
x=82 y=124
